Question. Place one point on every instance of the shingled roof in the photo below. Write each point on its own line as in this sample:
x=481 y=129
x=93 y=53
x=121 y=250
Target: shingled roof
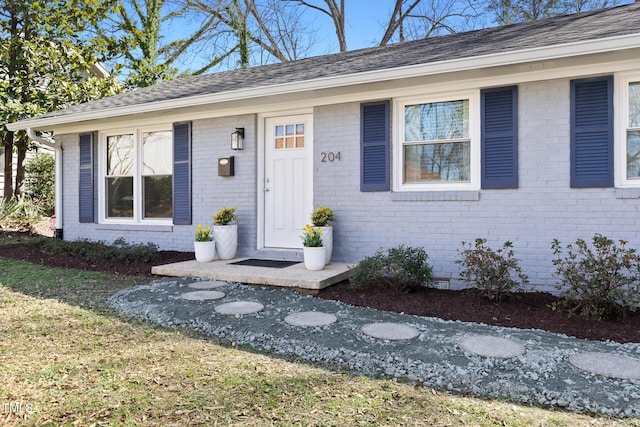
x=561 y=30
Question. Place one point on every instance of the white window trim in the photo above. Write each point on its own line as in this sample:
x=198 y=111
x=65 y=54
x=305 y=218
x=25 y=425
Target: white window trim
x=137 y=175
x=621 y=122
x=474 y=138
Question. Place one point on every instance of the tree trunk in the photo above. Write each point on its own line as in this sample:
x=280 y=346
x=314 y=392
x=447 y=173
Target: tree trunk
x=8 y=165
x=22 y=145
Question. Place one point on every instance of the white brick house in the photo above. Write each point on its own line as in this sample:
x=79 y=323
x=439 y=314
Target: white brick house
x=524 y=133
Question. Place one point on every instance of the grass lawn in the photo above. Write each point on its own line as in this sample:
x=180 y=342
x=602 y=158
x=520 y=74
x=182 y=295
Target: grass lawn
x=67 y=359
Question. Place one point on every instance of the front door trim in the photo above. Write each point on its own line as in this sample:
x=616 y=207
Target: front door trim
x=260 y=175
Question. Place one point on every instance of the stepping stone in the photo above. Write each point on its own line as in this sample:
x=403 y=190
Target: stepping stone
x=490 y=346
x=607 y=364
x=209 y=284
x=310 y=319
x=239 y=307
x=203 y=295
x=390 y=331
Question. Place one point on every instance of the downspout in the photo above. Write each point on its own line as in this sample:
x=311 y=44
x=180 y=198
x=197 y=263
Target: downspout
x=48 y=142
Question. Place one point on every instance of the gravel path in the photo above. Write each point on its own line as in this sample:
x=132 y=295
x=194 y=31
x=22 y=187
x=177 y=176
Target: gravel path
x=542 y=375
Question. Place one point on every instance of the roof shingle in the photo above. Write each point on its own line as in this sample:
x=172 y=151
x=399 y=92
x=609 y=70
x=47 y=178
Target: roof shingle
x=593 y=25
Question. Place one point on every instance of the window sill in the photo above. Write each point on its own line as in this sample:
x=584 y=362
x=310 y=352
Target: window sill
x=435 y=196
x=627 y=193
x=136 y=227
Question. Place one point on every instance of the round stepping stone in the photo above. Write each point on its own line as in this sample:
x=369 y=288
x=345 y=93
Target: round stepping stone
x=390 y=331
x=490 y=346
x=239 y=307
x=310 y=319
x=203 y=295
x=209 y=284
x=607 y=364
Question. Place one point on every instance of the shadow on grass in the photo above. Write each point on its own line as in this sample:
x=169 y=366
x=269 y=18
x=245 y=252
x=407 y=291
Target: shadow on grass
x=84 y=289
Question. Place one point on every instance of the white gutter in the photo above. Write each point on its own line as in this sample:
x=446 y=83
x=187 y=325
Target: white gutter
x=566 y=50
x=57 y=175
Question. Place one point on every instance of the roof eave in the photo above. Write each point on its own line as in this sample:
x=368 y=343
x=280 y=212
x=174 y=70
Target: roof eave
x=588 y=47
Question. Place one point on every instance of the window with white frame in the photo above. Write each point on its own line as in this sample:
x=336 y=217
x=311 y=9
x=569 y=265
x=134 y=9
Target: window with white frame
x=632 y=131
x=138 y=176
x=439 y=147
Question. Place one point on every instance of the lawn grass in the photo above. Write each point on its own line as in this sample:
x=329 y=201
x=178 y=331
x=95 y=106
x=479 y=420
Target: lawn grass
x=69 y=360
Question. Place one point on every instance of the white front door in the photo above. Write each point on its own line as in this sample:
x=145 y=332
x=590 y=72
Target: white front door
x=288 y=180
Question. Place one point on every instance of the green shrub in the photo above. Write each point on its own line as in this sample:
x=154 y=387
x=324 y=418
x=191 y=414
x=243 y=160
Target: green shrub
x=94 y=251
x=18 y=214
x=40 y=182
x=597 y=282
x=494 y=272
x=402 y=268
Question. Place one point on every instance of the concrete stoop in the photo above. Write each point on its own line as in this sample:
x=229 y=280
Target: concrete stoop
x=295 y=276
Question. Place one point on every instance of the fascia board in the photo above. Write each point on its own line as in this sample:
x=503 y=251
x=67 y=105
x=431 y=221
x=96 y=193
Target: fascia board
x=460 y=64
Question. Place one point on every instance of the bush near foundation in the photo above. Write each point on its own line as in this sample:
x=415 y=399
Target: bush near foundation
x=598 y=281
x=119 y=250
x=40 y=182
x=402 y=268
x=494 y=272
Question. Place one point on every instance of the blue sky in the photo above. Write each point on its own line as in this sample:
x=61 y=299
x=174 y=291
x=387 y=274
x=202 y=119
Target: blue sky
x=364 y=23
x=364 y=27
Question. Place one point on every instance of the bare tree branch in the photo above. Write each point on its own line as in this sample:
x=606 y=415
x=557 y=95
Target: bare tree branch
x=397 y=19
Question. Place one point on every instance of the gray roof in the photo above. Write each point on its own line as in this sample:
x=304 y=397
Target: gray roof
x=593 y=25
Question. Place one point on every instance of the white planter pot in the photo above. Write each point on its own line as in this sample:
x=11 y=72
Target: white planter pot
x=205 y=251
x=314 y=258
x=226 y=237
x=327 y=241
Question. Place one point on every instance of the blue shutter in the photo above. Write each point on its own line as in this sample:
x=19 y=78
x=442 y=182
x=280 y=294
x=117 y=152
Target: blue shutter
x=592 y=132
x=499 y=137
x=374 y=147
x=86 y=190
x=182 y=173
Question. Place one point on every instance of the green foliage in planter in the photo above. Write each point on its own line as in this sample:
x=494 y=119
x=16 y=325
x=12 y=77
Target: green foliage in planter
x=322 y=216
x=224 y=216
x=600 y=281
x=311 y=237
x=120 y=250
x=402 y=268
x=494 y=272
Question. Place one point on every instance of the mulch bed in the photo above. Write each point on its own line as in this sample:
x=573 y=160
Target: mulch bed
x=529 y=310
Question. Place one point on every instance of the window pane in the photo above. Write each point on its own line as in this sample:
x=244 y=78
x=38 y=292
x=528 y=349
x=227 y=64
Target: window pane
x=437 y=162
x=158 y=196
x=120 y=155
x=279 y=130
x=300 y=128
x=634 y=105
x=633 y=154
x=289 y=129
x=120 y=197
x=437 y=121
x=157 y=153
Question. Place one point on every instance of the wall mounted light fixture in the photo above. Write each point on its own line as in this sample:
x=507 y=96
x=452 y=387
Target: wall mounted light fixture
x=237 y=139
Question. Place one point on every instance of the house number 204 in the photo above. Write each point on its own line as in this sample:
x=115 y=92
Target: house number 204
x=330 y=156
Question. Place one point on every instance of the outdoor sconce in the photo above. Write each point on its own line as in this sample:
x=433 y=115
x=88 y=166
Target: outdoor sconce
x=237 y=139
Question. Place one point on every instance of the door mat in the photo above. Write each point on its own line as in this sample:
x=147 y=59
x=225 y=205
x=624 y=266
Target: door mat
x=270 y=263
